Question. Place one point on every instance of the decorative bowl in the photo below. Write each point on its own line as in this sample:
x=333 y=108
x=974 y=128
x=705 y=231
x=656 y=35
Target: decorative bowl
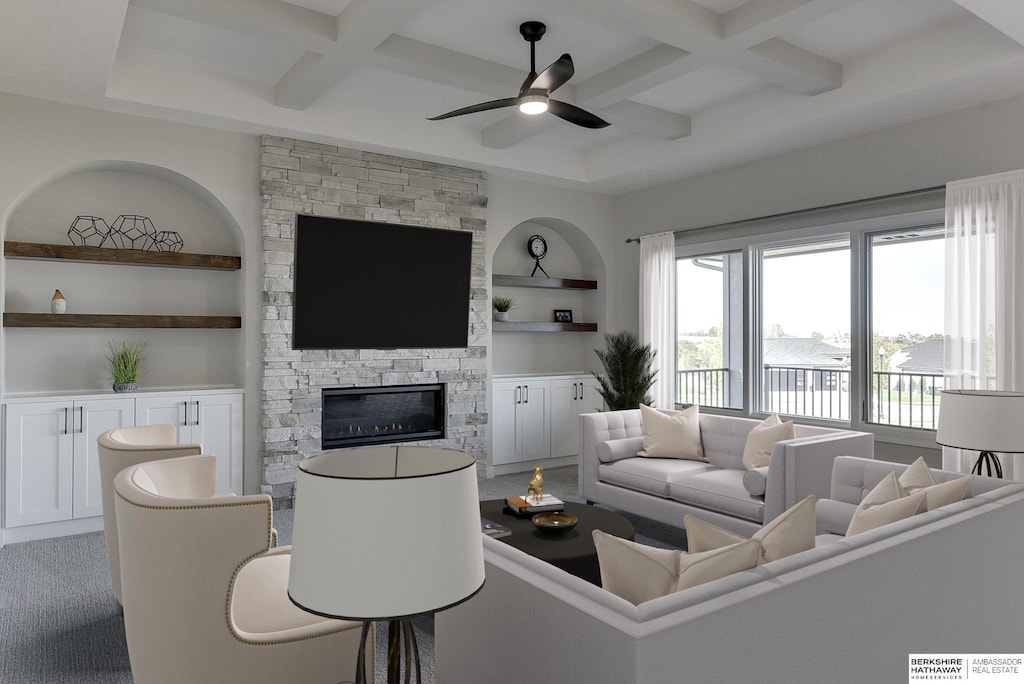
x=554 y=521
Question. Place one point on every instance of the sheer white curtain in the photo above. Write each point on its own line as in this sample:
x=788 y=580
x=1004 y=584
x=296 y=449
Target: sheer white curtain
x=658 y=311
x=985 y=295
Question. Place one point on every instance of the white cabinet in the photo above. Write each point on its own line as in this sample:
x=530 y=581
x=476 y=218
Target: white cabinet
x=521 y=422
x=51 y=460
x=51 y=464
x=213 y=420
x=537 y=417
x=569 y=398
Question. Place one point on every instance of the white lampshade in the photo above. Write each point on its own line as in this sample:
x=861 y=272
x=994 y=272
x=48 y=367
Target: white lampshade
x=982 y=420
x=385 y=532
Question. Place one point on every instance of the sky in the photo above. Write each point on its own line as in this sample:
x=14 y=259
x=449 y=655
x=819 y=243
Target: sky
x=807 y=293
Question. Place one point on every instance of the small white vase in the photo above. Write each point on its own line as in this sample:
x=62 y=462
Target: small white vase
x=501 y=315
x=58 y=304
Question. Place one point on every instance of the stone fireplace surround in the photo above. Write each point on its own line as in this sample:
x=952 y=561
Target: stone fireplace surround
x=324 y=180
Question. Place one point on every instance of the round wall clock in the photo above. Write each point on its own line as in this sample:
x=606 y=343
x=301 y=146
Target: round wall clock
x=537 y=246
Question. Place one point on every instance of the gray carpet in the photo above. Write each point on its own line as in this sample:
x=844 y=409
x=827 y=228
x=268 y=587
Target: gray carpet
x=59 y=622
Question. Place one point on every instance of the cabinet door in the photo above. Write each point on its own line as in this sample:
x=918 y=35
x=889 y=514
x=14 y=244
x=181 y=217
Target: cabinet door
x=173 y=410
x=564 y=410
x=590 y=400
x=38 y=466
x=504 y=442
x=533 y=421
x=217 y=425
x=88 y=420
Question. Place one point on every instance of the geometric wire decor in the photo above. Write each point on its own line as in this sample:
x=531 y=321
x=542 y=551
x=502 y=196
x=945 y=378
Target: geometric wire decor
x=168 y=241
x=129 y=231
x=88 y=231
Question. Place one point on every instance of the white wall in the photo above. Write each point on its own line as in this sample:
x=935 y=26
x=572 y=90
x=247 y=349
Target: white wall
x=571 y=220
x=973 y=142
x=42 y=141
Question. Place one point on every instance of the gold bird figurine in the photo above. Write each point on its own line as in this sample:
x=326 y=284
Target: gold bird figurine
x=536 y=487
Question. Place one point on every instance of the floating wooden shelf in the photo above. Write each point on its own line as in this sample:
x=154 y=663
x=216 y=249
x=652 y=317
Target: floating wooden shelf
x=542 y=326
x=44 y=320
x=38 y=250
x=549 y=283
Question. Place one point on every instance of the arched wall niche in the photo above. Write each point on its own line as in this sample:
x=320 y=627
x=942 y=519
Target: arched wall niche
x=71 y=359
x=571 y=254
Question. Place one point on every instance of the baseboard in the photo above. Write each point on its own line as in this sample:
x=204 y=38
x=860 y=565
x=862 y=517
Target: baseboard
x=14 y=535
x=527 y=466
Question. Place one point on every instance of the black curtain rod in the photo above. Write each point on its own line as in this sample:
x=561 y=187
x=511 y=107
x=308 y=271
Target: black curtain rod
x=799 y=212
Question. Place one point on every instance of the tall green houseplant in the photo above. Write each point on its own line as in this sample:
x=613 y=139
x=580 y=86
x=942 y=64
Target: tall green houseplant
x=627 y=375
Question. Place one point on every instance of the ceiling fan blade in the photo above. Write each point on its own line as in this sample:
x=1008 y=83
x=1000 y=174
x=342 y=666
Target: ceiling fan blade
x=473 y=109
x=574 y=114
x=554 y=77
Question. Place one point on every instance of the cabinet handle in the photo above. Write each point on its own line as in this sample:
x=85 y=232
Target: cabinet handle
x=66 y=420
x=527 y=388
x=575 y=391
x=581 y=391
x=197 y=414
x=515 y=395
x=185 y=422
x=81 y=419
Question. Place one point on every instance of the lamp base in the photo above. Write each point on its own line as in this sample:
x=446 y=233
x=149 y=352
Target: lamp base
x=991 y=462
x=401 y=637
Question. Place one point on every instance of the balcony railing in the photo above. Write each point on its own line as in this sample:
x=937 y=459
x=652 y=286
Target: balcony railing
x=705 y=386
x=907 y=399
x=813 y=392
x=903 y=399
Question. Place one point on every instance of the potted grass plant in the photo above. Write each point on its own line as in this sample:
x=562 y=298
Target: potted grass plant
x=125 y=362
x=502 y=305
x=628 y=376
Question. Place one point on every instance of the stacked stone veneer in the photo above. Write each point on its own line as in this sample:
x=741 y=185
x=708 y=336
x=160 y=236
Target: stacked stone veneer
x=310 y=178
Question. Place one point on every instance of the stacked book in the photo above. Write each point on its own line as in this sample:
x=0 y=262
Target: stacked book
x=524 y=505
x=493 y=529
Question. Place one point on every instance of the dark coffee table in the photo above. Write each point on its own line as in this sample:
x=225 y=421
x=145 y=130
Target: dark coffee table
x=572 y=550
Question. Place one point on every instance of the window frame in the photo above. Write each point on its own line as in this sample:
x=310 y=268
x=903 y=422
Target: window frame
x=751 y=237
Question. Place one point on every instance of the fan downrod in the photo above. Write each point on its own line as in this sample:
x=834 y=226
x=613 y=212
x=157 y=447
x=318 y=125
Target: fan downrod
x=532 y=30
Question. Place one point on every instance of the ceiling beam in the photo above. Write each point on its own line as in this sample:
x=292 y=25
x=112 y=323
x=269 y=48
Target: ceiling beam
x=644 y=120
x=791 y=67
x=267 y=19
x=447 y=67
x=361 y=27
x=1006 y=16
x=658 y=65
x=760 y=20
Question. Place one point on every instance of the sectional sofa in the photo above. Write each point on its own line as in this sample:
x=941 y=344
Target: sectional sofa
x=721 y=491
x=850 y=610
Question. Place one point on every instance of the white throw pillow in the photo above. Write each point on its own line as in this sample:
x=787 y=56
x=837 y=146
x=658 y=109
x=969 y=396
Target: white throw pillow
x=791 y=532
x=761 y=440
x=917 y=476
x=886 y=503
x=948 y=492
x=639 y=573
x=676 y=436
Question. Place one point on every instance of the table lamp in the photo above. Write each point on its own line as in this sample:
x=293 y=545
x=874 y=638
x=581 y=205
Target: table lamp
x=386 y=533
x=985 y=421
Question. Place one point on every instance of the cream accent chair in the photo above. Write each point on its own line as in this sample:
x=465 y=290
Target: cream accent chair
x=205 y=594
x=123 y=447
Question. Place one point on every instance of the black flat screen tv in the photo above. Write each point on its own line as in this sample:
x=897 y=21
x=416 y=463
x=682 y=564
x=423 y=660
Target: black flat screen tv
x=366 y=285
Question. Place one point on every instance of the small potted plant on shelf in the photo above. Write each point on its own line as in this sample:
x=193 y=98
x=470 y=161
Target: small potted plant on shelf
x=502 y=305
x=125 y=362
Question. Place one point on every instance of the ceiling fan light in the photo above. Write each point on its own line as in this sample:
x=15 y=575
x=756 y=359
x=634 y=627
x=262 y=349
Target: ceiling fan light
x=533 y=104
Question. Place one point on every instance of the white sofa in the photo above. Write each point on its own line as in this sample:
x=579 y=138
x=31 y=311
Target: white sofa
x=719 y=491
x=851 y=610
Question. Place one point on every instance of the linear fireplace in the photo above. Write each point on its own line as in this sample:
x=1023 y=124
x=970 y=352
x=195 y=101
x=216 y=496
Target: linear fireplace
x=380 y=415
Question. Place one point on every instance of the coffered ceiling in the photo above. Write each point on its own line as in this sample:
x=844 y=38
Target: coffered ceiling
x=689 y=85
